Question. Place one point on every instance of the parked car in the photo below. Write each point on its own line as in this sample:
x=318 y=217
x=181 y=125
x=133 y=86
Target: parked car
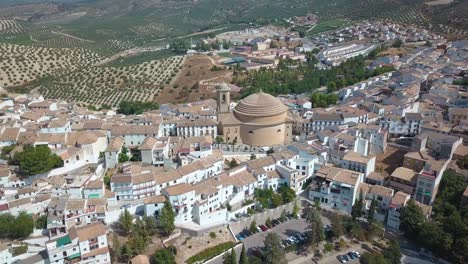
x=357 y=254
x=276 y=222
x=345 y=257
x=341 y=259
x=239 y=237
x=264 y=228
x=293 y=240
x=351 y=255
x=245 y=234
x=125 y=206
x=299 y=237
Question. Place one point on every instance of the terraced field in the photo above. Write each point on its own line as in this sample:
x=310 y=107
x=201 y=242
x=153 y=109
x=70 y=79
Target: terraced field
x=110 y=85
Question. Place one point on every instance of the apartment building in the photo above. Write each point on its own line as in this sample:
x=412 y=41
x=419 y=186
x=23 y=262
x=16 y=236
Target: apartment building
x=403 y=179
x=336 y=188
x=399 y=200
x=409 y=125
x=112 y=152
x=320 y=122
x=197 y=127
x=154 y=151
x=458 y=115
x=182 y=198
x=360 y=163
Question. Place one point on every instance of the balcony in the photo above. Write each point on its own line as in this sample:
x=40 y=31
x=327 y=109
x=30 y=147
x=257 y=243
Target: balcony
x=93 y=242
x=121 y=188
x=72 y=215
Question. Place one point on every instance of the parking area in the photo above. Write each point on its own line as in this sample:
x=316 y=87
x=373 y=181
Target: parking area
x=333 y=258
x=328 y=258
x=286 y=229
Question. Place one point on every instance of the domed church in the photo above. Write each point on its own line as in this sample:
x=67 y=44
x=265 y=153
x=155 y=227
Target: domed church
x=258 y=120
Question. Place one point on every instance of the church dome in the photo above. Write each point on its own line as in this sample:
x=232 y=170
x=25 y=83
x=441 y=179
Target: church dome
x=260 y=108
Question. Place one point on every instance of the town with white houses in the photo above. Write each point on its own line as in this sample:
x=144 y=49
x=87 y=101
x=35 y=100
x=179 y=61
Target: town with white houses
x=386 y=143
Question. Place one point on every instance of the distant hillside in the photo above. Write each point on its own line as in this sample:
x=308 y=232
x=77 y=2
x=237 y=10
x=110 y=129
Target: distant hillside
x=155 y=19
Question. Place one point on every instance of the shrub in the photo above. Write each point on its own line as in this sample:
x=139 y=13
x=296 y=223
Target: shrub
x=20 y=250
x=186 y=240
x=328 y=247
x=213 y=235
x=210 y=252
x=342 y=244
x=172 y=249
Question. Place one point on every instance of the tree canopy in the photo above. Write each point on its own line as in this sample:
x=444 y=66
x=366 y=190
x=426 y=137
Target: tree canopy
x=323 y=100
x=371 y=212
x=463 y=162
x=392 y=253
x=315 y=227
x=12 y=227
x=372 y=258
x=41 y=222
x=125 y=221
x=36 y=160
x=272 y=251
x=136 y=107
x=446 y=235
x=163 y=256
x=358 y=207
x=287 y=194
x=123 y=156
x=243 y=256
x=411 y=218
x=167 y=218
x=306 y=77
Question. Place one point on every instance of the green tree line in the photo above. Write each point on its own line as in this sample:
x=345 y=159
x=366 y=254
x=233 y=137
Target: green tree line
x=306 y=77
x=136 y=107
x=446 y=234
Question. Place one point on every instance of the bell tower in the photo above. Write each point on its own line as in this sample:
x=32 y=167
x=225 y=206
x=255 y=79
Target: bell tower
x=224 y=98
